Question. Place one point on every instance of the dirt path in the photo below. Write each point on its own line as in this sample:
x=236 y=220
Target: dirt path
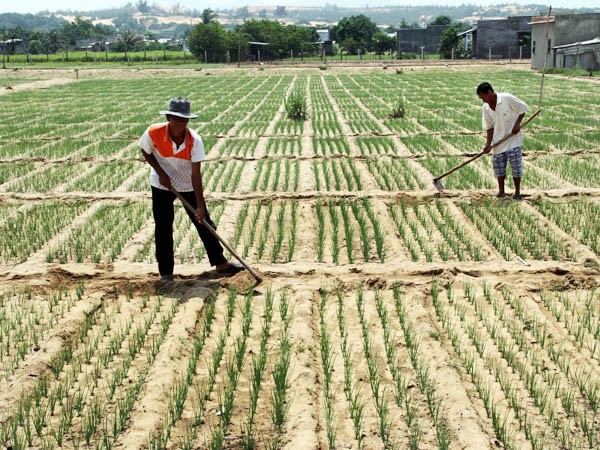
x=43 y=84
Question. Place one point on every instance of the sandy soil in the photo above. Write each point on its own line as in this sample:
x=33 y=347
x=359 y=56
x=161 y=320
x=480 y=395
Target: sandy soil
x=317 y=295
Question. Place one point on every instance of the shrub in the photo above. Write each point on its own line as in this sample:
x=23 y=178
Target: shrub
x=295 y=105
x=399 y=107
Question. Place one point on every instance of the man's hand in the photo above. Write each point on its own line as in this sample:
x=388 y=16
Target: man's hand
x=487 y=149
x=200 y=215
x=165 y=180
x=516 y=128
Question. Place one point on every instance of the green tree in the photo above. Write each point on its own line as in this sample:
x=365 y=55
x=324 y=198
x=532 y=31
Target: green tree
x=53 y=41
x=35 y=47
x=267 y=31
x=383 y=43
x=128 y=23
x=77 y=30
x=441 y=20
x=524 y=40
x=208 y=16
x=142 y=6
x=242 y=12
x=128 y=40
x=102 y=31
x=210 y=40
x=355 y=32
x=449 y=43
x=299 y=39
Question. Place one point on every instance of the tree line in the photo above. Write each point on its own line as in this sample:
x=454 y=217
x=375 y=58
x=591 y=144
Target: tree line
x=210 y=41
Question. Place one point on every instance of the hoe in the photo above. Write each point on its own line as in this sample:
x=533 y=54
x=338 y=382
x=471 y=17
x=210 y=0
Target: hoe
x=436 y=181
x=191 y=209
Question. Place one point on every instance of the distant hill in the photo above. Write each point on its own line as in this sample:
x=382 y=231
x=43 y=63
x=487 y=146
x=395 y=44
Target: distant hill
x=385 y=16
x=34 y=22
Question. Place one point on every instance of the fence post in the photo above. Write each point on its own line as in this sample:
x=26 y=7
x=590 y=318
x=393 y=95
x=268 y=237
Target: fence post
x=4 y=48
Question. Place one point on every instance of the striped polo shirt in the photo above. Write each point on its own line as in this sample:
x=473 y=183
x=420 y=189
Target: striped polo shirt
x=175 y=161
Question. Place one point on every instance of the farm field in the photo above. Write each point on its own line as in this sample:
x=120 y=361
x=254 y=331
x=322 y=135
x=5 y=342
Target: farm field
x=391 y=316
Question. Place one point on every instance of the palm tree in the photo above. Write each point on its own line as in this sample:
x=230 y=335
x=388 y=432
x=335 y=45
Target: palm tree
x=130 y=38
x=53 y=41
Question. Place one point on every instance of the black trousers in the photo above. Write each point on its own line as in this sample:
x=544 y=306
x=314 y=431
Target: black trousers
x=164 y=214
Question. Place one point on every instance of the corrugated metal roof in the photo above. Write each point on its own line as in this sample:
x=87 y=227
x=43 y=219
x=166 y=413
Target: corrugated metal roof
x=579 y=44
x=467 y=32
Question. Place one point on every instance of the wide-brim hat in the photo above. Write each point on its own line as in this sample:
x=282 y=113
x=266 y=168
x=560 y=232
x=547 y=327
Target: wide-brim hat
x=179 y=107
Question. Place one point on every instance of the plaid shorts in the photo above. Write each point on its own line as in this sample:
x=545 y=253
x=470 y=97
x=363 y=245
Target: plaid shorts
x=514 y=156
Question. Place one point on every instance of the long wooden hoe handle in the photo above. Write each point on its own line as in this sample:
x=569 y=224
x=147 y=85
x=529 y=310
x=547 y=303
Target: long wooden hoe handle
x=479 y=155
x=191 y=209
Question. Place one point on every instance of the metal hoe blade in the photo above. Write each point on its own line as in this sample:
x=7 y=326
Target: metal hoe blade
x=438 y=185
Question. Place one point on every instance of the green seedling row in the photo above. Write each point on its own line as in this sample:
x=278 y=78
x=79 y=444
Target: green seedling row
x=577 y=218
x=120 y=224
x=515 y=232
x=28 y=230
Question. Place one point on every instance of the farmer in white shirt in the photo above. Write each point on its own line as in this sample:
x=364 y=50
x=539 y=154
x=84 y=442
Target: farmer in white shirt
x=175 y=154
x=502 y=115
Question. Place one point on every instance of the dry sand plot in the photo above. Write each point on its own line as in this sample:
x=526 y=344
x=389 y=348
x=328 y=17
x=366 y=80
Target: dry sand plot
x=390 y=316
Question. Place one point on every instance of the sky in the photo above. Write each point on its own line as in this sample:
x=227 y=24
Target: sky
x=34 y=6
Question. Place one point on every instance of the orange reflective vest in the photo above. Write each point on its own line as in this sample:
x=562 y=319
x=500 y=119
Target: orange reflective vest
x=163 y=143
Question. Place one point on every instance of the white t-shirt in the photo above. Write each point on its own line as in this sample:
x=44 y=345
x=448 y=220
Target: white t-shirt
x=175 y=161
x=502 y=120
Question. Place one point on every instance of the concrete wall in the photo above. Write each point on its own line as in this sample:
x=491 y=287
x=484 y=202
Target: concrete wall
x=566 y=29
x=410 y=40
x=501 y=38
x=538 y=38
x=570 y=28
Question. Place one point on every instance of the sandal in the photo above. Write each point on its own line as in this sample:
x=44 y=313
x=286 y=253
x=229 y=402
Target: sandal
x=232 y=269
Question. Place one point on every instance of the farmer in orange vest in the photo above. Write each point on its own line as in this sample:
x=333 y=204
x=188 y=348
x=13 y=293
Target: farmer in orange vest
x=175 y=154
